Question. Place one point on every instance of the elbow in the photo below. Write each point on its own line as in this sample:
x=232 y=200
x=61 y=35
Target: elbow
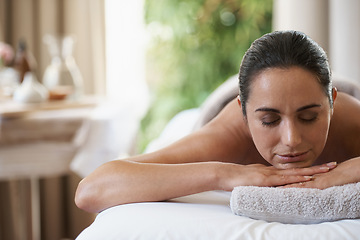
x=97 y=191
x=85 y=197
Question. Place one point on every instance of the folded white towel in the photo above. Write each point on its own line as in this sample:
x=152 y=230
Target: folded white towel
x=297 y=205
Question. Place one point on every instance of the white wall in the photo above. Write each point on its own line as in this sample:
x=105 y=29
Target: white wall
x=344 y=38
x=125 y=54
x=334 y=24
x=308 y=16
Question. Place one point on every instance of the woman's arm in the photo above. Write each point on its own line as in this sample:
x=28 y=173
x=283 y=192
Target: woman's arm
x=120 y=182
x=205 y=160
x=150 y=177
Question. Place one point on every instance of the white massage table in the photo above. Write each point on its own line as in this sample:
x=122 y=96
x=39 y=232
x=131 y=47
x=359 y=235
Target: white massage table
x=205 y=215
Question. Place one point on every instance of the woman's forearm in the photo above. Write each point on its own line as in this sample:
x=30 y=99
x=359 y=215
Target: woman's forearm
x=120 y=182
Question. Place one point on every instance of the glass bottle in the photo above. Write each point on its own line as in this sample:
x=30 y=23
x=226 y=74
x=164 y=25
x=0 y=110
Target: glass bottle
x=22 y=62
x=62 y=76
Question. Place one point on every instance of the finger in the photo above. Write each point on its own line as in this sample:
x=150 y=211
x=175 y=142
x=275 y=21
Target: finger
x=296 y=185
x=289 y=179
x=311 y=170
x=330 y=165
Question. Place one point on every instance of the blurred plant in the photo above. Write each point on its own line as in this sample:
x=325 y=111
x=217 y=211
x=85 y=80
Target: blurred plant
x=195 y=45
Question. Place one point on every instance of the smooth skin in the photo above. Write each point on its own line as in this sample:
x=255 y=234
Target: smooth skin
x=291 y=137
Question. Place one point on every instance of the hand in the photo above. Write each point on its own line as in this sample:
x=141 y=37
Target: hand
x=234 y=175
x=344 y=173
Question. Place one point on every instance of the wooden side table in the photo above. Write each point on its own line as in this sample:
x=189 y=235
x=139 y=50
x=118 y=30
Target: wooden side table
x=40 y=140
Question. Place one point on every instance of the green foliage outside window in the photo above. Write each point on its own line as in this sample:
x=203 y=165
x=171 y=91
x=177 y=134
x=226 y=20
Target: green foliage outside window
x=196 y=45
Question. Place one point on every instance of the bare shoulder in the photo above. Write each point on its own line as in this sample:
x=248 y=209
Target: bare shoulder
x=230 y=121
x=346 y=110
x=345 y=125
x=230 y=134
x=225 y=138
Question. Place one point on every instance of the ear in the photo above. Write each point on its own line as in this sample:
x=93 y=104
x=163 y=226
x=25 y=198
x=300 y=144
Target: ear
x=238 y=100
x=334 y=93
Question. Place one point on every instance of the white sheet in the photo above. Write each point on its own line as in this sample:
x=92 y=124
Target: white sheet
x=203 y=216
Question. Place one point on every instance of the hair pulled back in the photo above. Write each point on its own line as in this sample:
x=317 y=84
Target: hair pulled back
x=283 y=49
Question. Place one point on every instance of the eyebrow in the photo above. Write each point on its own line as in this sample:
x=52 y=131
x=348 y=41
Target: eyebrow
x=266 y=109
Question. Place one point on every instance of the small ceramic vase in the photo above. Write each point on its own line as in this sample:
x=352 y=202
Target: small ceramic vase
x=30 y=90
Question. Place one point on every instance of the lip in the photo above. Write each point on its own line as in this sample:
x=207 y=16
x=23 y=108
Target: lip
x=293 y=157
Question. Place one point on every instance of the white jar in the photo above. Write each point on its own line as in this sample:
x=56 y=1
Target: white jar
x=30 y=90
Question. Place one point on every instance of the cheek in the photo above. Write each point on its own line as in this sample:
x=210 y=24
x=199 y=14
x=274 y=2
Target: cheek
x=265 y=140
x=317 y=136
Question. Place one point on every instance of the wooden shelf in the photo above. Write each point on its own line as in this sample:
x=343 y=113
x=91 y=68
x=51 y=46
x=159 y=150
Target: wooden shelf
x=12 y=109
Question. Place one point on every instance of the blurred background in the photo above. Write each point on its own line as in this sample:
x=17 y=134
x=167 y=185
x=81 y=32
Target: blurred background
x=148 y=60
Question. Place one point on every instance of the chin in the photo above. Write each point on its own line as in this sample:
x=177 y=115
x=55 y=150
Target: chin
x=293 y=165
x=303 y=161
x=290 y=165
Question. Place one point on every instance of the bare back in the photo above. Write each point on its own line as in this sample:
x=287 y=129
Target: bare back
x=227 y=138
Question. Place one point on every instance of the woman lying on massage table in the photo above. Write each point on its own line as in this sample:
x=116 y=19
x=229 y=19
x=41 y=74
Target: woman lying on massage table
x=288 y=127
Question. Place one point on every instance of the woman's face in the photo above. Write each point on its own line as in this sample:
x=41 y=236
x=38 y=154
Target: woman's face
x=288 y=116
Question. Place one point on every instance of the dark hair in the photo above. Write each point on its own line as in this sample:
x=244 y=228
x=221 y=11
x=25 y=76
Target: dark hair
x=283 y=49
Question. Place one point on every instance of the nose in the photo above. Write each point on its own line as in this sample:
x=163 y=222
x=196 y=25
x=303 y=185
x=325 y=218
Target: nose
x=291 y=135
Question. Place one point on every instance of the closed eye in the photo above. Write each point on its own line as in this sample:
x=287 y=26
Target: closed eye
x=308 y=117
x=270 y=120
x=270 y=124
x=305 y=120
